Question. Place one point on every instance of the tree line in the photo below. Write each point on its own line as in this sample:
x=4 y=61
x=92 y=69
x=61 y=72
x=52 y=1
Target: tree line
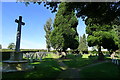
x=102 y=25
x=103 y=31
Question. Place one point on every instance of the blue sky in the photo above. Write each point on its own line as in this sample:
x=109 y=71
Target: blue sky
x=35 y=17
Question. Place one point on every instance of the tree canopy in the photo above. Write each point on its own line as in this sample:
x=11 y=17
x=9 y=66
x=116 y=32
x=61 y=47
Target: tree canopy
x=101 y=12
x=104 y=14
x=101 y=35
x=98 y=34
x=64 y=34
x=117 y=32
x=11 y=46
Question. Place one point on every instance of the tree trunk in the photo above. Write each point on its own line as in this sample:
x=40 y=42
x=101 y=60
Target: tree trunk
x=100 y=54
x=48 y=50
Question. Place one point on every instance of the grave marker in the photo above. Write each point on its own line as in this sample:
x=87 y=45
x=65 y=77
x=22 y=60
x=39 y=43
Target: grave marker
x=17 y=55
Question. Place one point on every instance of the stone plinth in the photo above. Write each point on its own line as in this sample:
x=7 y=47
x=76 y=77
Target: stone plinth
x=13 y=66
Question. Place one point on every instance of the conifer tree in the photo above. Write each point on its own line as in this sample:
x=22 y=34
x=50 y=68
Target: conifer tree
x=48 y=28
x=83 y=44
x=64 y=34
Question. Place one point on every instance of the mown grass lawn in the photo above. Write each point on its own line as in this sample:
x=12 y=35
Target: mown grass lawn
x=49 y=68
x=51 y=55
x=101 y=71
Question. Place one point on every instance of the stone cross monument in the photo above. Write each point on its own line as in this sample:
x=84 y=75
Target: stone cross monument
x=16 y=62
x=20 y=23
x=17 y=55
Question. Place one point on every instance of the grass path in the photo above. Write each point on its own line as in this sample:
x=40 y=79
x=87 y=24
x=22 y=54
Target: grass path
x=72 y=73
x=92 y=65
x=68 y=73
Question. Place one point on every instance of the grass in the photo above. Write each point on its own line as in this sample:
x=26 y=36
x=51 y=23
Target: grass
x=0 y=63
x=49 y=68
x=78 y=61
x=101 y=71
x=51 y=55
x=85 y=55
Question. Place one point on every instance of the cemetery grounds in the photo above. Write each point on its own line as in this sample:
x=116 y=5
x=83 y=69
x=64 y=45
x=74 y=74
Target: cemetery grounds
x=74 y=66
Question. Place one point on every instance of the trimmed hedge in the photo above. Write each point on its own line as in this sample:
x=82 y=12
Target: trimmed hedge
x=6 y=55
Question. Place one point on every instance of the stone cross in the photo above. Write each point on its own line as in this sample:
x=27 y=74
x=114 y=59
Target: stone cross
x=20 y=23
x=17 y=55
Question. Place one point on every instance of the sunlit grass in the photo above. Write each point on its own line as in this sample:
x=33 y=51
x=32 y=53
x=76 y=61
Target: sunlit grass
x=36 y=63
x=51 y=55
x=108 y=57
x=111 y=58
x=85 y=55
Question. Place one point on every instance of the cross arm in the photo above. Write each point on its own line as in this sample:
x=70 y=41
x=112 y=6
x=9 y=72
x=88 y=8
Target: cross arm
x=16 y=21
x=23 y=23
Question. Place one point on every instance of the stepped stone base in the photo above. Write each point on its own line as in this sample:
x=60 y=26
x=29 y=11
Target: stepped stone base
x=14 y=66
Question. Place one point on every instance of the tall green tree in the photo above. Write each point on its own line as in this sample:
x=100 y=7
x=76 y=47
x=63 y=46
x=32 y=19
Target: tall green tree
x=48 y=29
x=101 y=36
x=83 y=44
x=64 y=34
x=11 y=46
x=110 y=41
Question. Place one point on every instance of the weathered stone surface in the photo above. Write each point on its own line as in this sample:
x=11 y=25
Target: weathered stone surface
x=13 y=66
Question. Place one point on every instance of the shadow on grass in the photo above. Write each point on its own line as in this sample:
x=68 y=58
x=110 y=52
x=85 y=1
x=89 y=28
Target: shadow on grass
x=101 y=71
x=48 y=68
x=78 y=61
